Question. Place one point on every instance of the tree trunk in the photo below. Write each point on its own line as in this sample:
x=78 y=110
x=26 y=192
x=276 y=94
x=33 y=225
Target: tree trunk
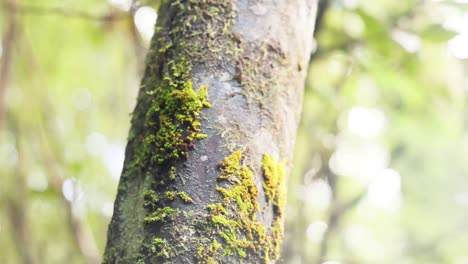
x=212 y=133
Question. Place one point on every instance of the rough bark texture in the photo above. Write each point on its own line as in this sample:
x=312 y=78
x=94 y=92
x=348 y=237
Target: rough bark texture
x=212 y=133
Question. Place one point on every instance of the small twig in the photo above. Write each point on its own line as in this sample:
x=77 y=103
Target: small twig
x=17 y=203
x=79 y=229
x=323 y=6
x=8 y=40
x=44 y=10
x=336 y=216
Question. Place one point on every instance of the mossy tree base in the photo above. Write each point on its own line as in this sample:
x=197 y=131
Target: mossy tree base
x=218 y=108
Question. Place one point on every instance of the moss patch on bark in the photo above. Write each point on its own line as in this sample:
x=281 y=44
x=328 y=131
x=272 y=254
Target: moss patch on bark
x=235 y=219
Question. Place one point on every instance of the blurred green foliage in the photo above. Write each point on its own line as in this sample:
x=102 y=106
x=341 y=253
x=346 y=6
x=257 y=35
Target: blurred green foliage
x=380 y=173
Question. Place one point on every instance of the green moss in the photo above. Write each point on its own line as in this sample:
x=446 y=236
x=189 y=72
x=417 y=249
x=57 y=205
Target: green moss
x=201 y=136
x=217 y=208
x=150 y=197
x=206 y=253
x=160 y=247
x=173 y=109
x=184 y=196
x=174 y=114
x=159 y=215
x=222 y=220
x=172 y=173
x=170 y=195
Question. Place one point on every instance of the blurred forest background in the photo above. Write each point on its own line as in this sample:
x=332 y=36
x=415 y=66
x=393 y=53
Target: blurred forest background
x=381 y=164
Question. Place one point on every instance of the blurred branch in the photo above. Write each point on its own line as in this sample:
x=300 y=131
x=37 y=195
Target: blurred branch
x=336 y=216
x=139 y=47
x=17 y=205
x=80 y=230
x=338 y=212
x=8 y=40
x=323 y=5
x=44 y=10
x=18 y=220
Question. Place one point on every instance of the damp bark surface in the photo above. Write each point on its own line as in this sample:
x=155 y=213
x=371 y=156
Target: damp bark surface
x=212 y=133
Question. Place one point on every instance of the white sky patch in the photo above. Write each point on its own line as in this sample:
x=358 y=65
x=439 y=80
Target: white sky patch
x=457 y=22
x=385 y=191
x=351 y=4
x=458 y=46
x=125 y=5
x=145 y=20
x=363 y=161
x=72 y=190
x=461 y=199
x=318 y=195
x=107 y=209
x=409 y=41
x=113 y=158
x=112 y=154
x=316 y=230
x=366 y=122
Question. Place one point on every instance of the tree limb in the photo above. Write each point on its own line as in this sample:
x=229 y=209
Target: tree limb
x=45 y=10
x=8 y=40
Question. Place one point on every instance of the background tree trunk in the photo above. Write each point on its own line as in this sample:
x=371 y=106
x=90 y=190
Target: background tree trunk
x=212 y=133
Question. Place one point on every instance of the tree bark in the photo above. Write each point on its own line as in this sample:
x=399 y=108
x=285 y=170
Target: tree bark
x=213 y=133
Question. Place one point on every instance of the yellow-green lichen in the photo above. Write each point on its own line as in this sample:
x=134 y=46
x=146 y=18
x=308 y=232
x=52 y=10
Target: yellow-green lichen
x=231 y=164
x=273 y=185
x=274 y=174
x=222 y=220
x=235 y=219
x=170 y=195
x=185 y=197
x=206 y=254
x=172 y=173
x=217 y=208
